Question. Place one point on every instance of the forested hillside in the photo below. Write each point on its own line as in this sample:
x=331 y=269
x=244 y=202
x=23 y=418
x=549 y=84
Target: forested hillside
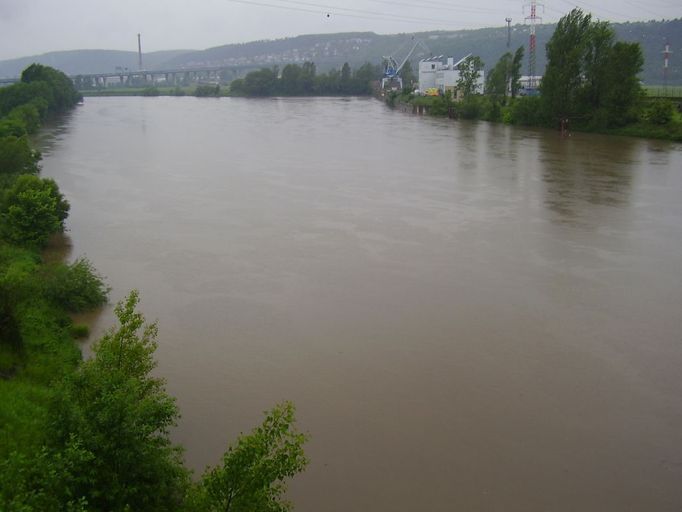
x=330 y=51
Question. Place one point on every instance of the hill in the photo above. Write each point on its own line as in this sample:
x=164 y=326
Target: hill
x=76 y=62
x=332 y=50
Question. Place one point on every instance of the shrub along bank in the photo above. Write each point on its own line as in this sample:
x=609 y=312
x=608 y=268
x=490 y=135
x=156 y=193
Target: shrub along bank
x=94 y=435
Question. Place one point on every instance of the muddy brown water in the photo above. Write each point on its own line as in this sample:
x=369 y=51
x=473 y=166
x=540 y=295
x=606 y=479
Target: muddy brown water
x=467 y=316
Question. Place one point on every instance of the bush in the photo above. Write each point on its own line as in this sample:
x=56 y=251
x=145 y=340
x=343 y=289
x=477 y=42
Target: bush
x=12 y=127
x=80 y=331
x=32 y=209
x=528 y=111
x=76 y=287
x=150 y=91
x=660 y=112
x=16 y=155
x=206 y=91
x=28 y=114
x=471 y=107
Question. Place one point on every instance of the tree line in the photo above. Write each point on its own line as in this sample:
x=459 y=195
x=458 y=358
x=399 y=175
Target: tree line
x=591 y=82
x=95 y=435
x=303 y=80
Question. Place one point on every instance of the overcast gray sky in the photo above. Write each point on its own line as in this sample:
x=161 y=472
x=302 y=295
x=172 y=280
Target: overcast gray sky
x=29 y=27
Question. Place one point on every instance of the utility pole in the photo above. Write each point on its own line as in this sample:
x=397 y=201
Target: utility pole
x=533 y=19
x=139 y=51
x=508 y=20
x=509 y=61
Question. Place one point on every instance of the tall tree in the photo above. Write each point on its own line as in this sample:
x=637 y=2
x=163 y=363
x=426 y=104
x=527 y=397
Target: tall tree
x=563 y=77
x=469 y=73
x=588 y=77
x=517 y=62
x=497 y=80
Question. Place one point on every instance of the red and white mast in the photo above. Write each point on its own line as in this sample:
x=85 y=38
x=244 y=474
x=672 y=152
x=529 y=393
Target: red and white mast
x=533 y=19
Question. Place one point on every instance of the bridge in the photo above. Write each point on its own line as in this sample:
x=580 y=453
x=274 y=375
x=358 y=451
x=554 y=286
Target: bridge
x=170 y=77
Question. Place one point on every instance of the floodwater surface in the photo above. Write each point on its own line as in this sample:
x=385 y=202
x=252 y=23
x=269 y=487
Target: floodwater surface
x=468 y=316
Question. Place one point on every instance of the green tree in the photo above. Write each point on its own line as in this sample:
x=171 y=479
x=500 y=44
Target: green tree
x=562 y=81
x=589 y=78
x=624 y=94
x=291 y=81
x=260 y=83
x=76 y=287
x=346 y=74
x=517 y=62
x=307 y=78
x=64 y=94
x=253 y=471
x=469 y=73
x=32 y=210
x=497 y=81
x=16 y=156
x=119 y=416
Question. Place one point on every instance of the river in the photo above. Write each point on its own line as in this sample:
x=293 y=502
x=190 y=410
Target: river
x=468 y=316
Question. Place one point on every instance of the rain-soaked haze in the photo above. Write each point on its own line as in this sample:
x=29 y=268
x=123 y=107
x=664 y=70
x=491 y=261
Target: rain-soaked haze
x=468 y=316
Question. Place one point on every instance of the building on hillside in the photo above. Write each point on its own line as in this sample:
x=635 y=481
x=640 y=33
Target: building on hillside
x=434 y=73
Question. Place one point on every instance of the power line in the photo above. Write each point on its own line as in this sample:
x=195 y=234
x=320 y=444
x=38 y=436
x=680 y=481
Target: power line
x=438 y=6
x=364 y=11
x=331 y=10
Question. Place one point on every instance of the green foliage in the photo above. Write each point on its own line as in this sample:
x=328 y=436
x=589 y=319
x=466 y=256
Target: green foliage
x=469 y=73
x=150 y=91
x=471 y=107
x=24 y=93
x=79 y=331
x=441 y=105
x=253 y=471
x=527 y=111
x=13 y=127
x=32 y=210
x=497 y=81
x=35 y=483
x=16 y=155
x=116 y=417
x=517 y=62
x=28 y=114
x=589 y=78
x=659 y=112
x=77 y=287
x=303 y=80
x=504 y=77
x=64 y=94
x=206 y=91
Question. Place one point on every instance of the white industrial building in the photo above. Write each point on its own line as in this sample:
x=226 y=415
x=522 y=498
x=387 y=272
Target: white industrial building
x=434 y=73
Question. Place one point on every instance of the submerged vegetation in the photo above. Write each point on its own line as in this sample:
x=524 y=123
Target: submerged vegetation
x=94 y=435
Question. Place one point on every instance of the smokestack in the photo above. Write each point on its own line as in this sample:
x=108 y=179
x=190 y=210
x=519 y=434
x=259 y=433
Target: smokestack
x=139 y=51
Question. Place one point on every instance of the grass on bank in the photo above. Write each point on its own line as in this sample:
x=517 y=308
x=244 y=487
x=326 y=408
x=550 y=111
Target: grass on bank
x=200 y=90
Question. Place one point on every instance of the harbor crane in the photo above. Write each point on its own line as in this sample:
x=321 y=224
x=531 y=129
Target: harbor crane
x=392 y=68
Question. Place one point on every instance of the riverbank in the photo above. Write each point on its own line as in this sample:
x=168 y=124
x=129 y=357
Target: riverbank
x=656 y=118
x=205 y=90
